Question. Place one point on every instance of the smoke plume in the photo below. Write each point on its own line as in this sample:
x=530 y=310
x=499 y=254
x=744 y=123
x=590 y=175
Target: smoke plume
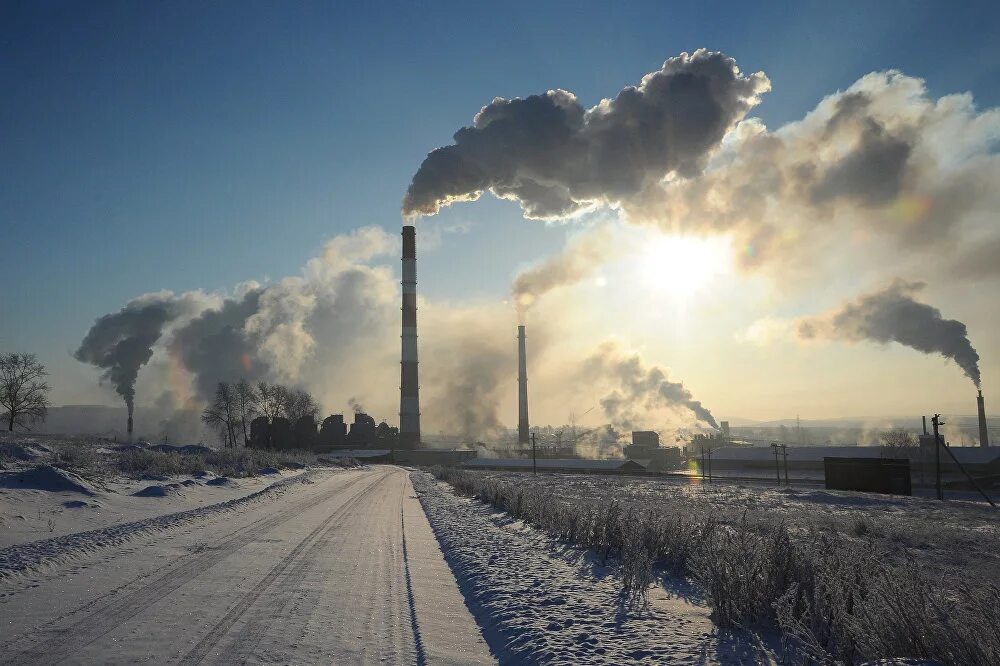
x=642 y=396
x=122 y=342
x=556 y=158
x=580 y=258
x=471 y=364
x=882 y=161
x=893 y=315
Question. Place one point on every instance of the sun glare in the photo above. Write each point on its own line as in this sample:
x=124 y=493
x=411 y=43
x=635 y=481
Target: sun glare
x=683 y=266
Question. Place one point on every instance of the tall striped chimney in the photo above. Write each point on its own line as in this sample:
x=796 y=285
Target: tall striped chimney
x=984 y=435
x=409 y=389
x=522 y=389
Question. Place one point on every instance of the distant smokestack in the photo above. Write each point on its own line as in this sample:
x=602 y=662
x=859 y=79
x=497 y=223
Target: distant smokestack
x=522 y=388
x=130 y=425
x=984 y=435
x=925 y=424
x=409 y=389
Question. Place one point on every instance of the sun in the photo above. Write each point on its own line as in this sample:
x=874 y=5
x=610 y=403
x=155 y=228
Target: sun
x=682 y=267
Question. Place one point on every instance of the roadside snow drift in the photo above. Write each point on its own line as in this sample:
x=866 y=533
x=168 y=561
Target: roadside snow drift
x=46 y=477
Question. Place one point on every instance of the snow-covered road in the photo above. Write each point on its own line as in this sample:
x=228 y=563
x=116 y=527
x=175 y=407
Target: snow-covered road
x=343 y=569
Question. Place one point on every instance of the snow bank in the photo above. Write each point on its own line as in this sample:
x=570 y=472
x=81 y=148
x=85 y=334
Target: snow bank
x=26 y=557
x=538 y=601
x=158 y=491
x=46 y=477
x=21 y=451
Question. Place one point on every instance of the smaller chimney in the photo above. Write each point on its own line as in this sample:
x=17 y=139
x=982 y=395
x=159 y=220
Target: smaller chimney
x=522 y=388
x=984 y=435
x=925 y=424
x=130 y=427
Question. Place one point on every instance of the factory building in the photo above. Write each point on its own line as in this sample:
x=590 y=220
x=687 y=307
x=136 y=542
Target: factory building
x=646 y=450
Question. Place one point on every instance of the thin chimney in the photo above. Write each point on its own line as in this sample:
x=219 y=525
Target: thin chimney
x=522 y=389
x=409 y=388
x=984 y=435
x=130 y=427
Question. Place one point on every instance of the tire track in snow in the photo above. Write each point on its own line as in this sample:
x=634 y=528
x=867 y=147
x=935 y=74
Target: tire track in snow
x=253 y=631
x=88 y=629
x=309 y=545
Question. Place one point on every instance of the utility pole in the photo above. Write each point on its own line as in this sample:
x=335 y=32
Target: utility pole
x=534 y=459
x=784 y=453
x=710 y=463
x=936 y=421
x=777 y=467
x=704 y=467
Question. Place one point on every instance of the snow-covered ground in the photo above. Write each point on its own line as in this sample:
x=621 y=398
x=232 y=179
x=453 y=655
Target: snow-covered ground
x=34 y=513
x=332 y=566
x=542 y=602
x=954 y=537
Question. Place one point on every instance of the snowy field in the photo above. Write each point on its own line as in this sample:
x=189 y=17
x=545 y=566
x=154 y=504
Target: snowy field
x=830 y=577
x=953 y=538
x=61 y=497
x=113 y=554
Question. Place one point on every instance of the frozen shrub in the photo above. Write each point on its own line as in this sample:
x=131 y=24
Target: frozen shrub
x=835 y=591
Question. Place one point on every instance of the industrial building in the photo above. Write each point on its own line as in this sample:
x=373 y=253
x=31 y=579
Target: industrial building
x=646 y=450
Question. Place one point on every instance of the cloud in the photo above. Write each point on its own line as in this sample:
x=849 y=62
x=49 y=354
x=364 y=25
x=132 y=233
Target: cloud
x=557 y=159
x=893 y=315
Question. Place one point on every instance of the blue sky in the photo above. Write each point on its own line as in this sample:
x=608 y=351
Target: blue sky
x=148 y=146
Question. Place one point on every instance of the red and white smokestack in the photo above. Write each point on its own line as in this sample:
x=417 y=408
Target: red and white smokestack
x=409 y=391
x=984 y=435
x=522 y=389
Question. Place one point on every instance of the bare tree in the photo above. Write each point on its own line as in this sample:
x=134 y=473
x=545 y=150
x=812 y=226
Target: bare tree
x=246 y=407
x=272 y=400
x=300 y=403
x=897 y=439
x=23 y=390
x=221 y=414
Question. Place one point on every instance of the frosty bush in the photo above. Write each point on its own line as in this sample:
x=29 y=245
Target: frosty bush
x=837 y=596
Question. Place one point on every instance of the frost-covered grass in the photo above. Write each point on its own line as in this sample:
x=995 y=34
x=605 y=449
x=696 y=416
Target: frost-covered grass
x=99 y=459
x=838 y=575
x=225 y=462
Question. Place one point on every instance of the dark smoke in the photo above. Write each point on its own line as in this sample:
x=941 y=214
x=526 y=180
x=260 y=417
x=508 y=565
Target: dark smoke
x=214 y=346
x=641 y=390
x=122 y=342
x=556 y=158
x=892 y=315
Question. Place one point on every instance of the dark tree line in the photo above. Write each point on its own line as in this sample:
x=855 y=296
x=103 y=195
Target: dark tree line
x=236 y=407
x=273 y=416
